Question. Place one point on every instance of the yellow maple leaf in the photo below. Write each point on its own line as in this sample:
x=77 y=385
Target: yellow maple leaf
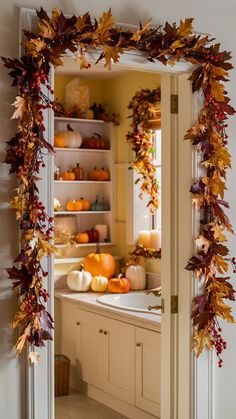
x=45 y=29
x=176 y=44
x=217 y=71
x=218 y=232
x=220 y=158
x=110 y=54
x=34 y=46
x=22 y=339
x=137 y=35
x=105 y=24
x=56 y=12
x=217 y=90
x=201 y=339
x=198 y=201
x=215 y=185
x=186 y=27
x=220 y=264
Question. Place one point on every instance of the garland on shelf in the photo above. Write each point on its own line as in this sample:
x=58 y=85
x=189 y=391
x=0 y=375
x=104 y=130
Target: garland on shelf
x=145 y=252
x=168 y=44
x=141 y=138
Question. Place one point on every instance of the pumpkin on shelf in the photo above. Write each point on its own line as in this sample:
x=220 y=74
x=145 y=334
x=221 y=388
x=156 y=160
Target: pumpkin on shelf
x=68 y=139
x=79 y=281
x=97 y=206
x=93 y=235
x=100 y=263
x=68 y=175
x=99 y=283
x=85 y=204
x=73 y=206
x=119 y=285
x=82 y=238
x=137 y=277
x=99 y=174
x=95 y=142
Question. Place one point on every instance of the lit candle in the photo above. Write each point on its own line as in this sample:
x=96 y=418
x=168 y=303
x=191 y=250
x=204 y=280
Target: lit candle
x=144 y=238
x=155 y=239
x=102 y=231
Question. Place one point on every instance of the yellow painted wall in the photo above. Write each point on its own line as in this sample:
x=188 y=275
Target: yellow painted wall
x=116 y=93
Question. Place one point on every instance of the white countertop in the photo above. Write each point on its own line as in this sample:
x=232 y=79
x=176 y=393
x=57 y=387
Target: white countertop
x=88 y=301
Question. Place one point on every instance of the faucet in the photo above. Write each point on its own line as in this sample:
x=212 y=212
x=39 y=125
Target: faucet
x=157 y=293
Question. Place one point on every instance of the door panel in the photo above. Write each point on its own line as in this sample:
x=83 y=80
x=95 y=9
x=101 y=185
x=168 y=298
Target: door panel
x=119 y=360
x=148 y=371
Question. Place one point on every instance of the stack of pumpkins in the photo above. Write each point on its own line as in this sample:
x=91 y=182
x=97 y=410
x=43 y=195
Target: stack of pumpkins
x=98 y=273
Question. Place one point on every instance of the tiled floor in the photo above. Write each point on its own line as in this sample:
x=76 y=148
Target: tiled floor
x=78 y=406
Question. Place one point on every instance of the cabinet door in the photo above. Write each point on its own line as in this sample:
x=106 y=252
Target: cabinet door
x=90 y=349
x=69 y=329
x=119 y=360
x=148 y=370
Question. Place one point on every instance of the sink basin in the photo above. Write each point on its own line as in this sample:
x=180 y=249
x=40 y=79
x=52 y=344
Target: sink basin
x=133 y=301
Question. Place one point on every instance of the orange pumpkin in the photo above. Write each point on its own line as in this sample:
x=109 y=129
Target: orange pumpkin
x=68 y=176
x=59 y=140
x=100 y=263
x=119 y=285
x=73 y=206
x=98 y=174
x=85 y=204
x=82 y=238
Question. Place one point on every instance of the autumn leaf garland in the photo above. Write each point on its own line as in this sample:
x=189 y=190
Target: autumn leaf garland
x=169 y=44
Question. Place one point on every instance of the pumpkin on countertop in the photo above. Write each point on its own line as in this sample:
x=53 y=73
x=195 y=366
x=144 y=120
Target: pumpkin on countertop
x=100 y=263
x=79 y=281
x=99 y=283
x=137 y=277
x=69 y=138
x=119 y=285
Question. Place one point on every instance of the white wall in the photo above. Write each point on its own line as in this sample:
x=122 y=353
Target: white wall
x=216 y=17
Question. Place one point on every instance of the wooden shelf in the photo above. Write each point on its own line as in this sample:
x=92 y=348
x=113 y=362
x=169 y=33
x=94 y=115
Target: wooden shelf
x=62 y=246
x=58 y=261
x=71 y=182
x=79 y=212
x=82 y=150
x=81 y=120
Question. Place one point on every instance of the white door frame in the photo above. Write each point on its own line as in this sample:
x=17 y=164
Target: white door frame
x=184 y=383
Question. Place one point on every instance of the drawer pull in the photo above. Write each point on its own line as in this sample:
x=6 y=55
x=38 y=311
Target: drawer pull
x=77 y=323
x=100 y=331
x=138 y=344
x=105 y=332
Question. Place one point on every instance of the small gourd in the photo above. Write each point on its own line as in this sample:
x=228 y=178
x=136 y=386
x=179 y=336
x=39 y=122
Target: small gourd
x=119 y=285
x=136 y=276
x=68 y=175
x=82 y=238
x=79 y=172
x=73 y=206
x=79 y=281
x=99 y=283
x=57 y=205
x=85 y=203
x=97 y=206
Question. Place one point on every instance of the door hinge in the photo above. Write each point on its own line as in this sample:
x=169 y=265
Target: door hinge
x=174 y=304
x=174 y=104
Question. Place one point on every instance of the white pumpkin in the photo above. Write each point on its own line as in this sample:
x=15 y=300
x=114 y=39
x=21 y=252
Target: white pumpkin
x=73 y=139
x=57 y=204
x=137 y=277
x=79 y=280
x=99 y=283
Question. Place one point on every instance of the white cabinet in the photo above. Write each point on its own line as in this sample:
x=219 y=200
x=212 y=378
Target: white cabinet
x=148 y=370
x=105 y=352
x=67 y=158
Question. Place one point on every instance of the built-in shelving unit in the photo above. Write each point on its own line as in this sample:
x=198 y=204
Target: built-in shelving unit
x=67 y=190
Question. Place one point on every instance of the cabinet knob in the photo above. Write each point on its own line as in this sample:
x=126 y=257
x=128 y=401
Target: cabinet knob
x=138 y=344
x=100 y=330
x=77 y=323
x=105 y=332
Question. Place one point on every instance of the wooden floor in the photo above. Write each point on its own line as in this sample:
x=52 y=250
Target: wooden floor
x=78 y=406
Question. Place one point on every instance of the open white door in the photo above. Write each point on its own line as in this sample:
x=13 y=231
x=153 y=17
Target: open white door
x=178 y=369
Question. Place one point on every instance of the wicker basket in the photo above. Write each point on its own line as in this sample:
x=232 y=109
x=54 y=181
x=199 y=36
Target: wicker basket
x=62 y=375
